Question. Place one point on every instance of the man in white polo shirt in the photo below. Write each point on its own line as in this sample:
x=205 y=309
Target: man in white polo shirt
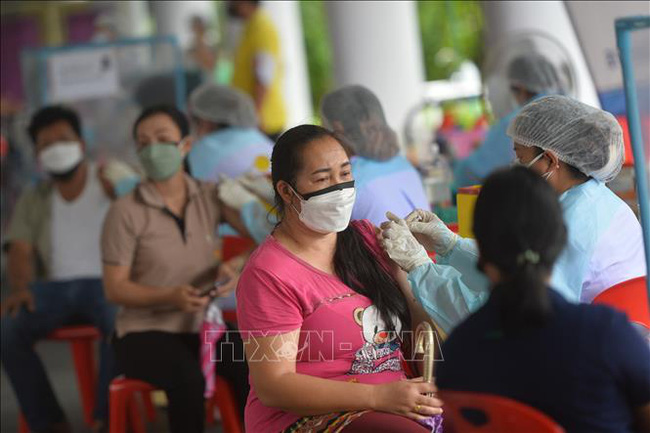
x=54 y=266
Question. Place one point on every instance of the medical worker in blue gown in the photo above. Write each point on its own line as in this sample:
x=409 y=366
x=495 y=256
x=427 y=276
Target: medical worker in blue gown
x=228 y=141
x=577 y=149
x=384 y=179
x=530 y=76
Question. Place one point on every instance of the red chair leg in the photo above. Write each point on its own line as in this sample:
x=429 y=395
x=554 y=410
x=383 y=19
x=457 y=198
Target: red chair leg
x=209 y=411
x=22 y=424
x=148 y=406
x=228 y=407
x=84 y=362
x=117 y=410
x=135 y=420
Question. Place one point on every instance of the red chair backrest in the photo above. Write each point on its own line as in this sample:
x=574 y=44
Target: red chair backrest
x=630 y=297
x=468 y=412
x=234 y=245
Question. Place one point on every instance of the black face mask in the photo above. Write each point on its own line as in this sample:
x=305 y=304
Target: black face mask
x=337 y=187
x=64 y=177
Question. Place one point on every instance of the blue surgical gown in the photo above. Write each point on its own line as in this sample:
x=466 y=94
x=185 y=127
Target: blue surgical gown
x=496 y=151
x=393 y=185
x=604 y=247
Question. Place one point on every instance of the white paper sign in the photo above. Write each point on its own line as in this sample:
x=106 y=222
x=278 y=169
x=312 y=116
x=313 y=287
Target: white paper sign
x=83 y=74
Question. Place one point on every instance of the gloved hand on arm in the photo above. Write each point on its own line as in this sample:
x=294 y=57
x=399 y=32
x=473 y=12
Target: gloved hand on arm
x=431 y=232
x=260 y=185
x=401 y=245
x=233 y=194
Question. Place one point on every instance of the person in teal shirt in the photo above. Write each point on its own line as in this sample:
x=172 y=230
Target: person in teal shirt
x=577 y=149
x=530 y=76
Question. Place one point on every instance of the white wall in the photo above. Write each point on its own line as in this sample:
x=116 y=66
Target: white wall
x=174 y=17
x=599 y=42
x=132 y=18
x=502 y=19
x=297 y=94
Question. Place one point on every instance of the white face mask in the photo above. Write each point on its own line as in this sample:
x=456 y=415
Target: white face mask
x=61 y=157
x=328 y=210
x=545 y=176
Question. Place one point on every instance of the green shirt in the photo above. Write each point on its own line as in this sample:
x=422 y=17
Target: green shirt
x=30 y=223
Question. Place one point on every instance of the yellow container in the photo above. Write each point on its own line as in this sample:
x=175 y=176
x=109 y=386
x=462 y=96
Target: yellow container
x=466 y=200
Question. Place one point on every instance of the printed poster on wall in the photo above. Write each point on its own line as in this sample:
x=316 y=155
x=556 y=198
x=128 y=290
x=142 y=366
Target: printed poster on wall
x=83 y=74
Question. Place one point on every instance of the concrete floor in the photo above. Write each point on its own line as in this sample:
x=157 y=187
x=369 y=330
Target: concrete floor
x=58 y=362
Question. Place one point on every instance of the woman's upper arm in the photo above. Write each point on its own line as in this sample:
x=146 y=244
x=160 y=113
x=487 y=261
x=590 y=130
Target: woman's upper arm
x=114 y=276
x=269 y=358
x=119 y=239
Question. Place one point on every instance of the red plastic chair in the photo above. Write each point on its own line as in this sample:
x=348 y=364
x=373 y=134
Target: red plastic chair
x=232 y=247
x=81 y=339
x=224 y=399
x=630 y=297
x=235 y=245
x=123 y=406
x=466 y=412
x=230 y=316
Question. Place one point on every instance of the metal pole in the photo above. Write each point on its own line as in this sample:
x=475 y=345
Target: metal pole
x=623 y=28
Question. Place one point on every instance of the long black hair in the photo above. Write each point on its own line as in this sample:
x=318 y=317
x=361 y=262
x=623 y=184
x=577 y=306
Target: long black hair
x=354 y=263
x=519 y=228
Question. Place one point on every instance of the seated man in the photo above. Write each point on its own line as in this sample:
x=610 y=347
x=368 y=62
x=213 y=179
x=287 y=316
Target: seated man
x=54 y=266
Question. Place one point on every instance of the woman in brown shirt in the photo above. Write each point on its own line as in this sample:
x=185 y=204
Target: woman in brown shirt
x=158 y=257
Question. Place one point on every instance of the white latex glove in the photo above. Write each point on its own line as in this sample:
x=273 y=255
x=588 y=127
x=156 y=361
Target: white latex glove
x=401 y=245
x=431 y=232
x=114 y=171
x=233 y=194
x=259 y=185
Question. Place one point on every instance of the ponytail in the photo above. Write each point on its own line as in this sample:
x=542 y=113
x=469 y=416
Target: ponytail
x=523 y=298
x=520 y=231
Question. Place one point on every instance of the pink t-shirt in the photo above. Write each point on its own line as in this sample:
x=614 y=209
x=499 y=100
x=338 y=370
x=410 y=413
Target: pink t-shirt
x=342 y=335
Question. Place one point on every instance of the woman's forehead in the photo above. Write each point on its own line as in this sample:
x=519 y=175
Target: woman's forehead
x=158 y=123
x=324 y=152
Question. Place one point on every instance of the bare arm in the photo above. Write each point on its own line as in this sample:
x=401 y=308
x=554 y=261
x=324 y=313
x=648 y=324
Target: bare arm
x=259 y=95
x=121 y=290
x=20 y=264
x=20 y=276
x=272 y=363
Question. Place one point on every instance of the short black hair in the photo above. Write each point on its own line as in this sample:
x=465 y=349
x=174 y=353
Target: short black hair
x=51 y=114
x=177 y=116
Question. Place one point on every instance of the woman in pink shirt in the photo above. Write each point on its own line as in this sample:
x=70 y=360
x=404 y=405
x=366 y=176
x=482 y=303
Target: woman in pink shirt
x=320 y=307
